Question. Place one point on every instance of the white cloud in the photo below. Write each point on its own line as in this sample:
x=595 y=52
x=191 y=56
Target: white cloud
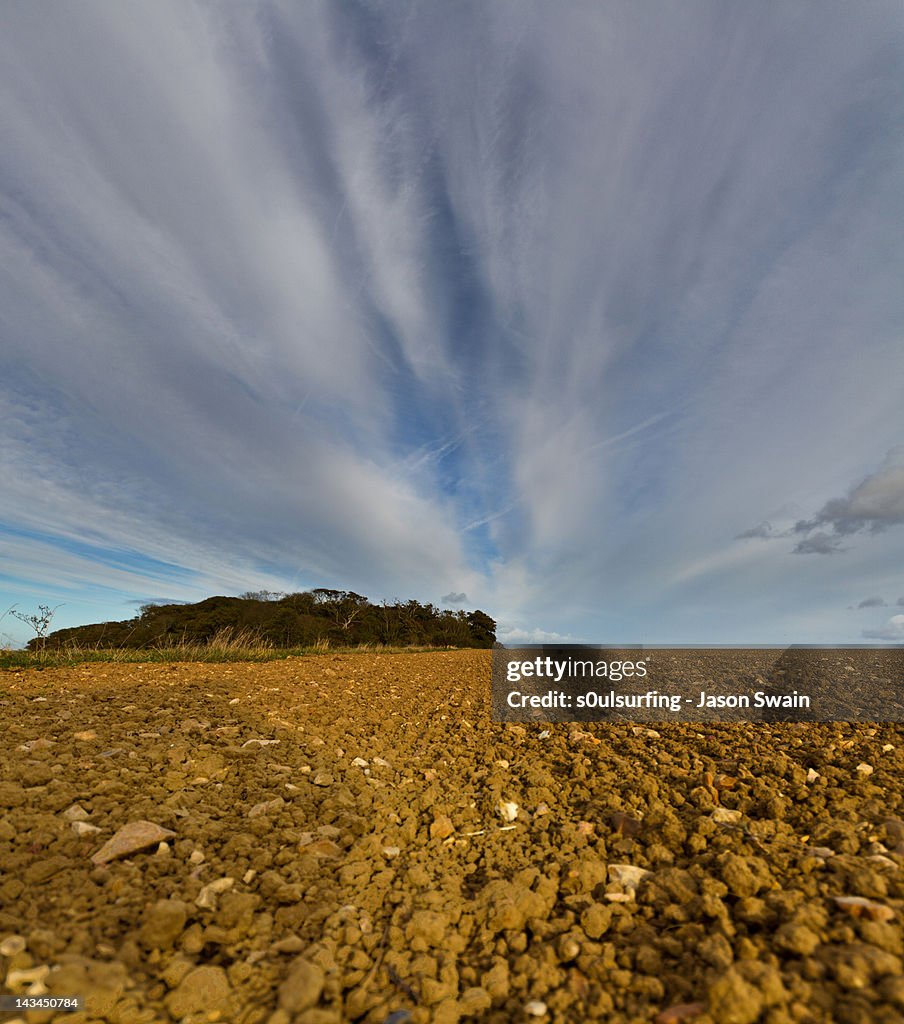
x=893 y=630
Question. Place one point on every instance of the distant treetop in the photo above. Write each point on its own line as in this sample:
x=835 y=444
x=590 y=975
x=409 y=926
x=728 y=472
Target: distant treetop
x=289 y=620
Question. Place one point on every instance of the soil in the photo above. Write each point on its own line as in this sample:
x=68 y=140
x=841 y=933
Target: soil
x=350 y=838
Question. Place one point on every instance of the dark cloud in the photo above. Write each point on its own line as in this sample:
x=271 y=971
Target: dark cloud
x=454 y=598
x=875 y=504
x=763 y=530
x=872 y=506
x=818 y=544
x=872 y=602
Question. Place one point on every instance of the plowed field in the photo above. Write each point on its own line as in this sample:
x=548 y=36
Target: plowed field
x=352 y=839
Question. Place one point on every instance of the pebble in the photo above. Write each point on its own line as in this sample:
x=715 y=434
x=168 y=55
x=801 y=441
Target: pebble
x=359 y=762
x=84 y=828
x=629 y=876
x=507 y=809
x=267 y=807
x=85 y=735
x=536 y=1008
x=859 y=906
x=441 y=827
x=131 y=838
x=725 y=816
x=812 y=775
x=323 y=779
x=820 y=851
x=207 y=897
x=864 y=768
x=12 y=945
x=26 y=977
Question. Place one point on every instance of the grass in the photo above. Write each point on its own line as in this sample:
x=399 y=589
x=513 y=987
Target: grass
x=226 y=645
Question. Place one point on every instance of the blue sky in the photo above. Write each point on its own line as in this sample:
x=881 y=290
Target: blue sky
x=588 y=315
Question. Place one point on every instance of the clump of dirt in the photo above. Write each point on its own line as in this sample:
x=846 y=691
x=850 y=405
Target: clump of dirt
x=350 y=838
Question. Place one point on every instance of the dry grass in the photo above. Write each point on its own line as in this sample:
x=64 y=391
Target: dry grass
x=225 y=645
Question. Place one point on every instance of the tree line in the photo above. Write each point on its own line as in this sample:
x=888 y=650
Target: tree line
x=341 y=617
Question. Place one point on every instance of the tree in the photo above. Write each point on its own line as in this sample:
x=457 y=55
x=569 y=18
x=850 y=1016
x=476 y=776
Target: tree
x=40 y=623
x=483 y=628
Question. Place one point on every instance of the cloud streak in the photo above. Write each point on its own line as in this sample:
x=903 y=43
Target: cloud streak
x=541 y=306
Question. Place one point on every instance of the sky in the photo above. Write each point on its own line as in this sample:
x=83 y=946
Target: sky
x=586 y=315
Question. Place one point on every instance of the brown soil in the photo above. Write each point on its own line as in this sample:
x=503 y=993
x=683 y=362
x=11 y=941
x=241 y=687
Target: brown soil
x=468 y=870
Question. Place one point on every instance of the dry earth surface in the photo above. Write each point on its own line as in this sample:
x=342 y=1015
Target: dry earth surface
x=352 y=839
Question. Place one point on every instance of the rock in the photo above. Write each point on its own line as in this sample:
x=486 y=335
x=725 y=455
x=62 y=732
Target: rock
x=163 y=924
x=359 y=762
x=724 y=816
x=567 y=948
x=321 y=848
x=302 y=987
x=12 y=945
x=507 y=809
x=267 y=807
x=389 y=852
x=628 y=876
x=26 y=978
x=322 y=779
x=76 y=813
x=84 y=828
x=536 y=1008
x=203 y=990
x=85 y=736
x=625 y=824
x=441 y=827
x=196 y=857
x=207 y=897
x=290 y=944
x=380 y=762
x=859 y=906
x=812 y=775
x=865 y=769
x=131 y=838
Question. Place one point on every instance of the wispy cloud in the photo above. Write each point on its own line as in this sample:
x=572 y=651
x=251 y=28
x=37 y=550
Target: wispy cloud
x=549 y=302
